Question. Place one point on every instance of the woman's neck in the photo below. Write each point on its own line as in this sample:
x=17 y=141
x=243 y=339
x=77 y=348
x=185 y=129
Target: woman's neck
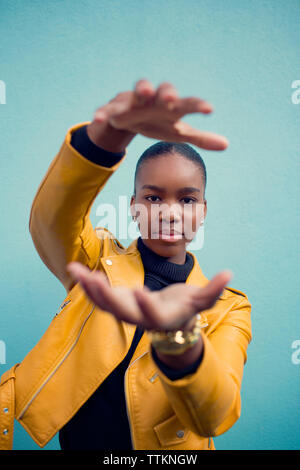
x=178 y=258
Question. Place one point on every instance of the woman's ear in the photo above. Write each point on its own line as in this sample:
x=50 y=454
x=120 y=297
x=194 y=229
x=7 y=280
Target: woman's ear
x=132 y=207
x=203 y=211
x=205 y=208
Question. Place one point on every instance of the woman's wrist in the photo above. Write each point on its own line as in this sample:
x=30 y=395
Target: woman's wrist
x=108 y=137
x=183 y=360
x=179 y=341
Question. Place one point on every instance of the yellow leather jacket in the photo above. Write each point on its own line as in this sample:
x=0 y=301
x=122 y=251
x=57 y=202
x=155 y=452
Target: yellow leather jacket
x=84 y=344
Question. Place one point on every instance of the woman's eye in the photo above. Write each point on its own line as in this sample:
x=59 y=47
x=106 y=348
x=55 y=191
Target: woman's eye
x=150 y=197
x=189 y=198
x=183 y=199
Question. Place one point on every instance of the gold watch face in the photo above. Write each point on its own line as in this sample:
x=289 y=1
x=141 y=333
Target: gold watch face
x=172 y=347
x=177 y=342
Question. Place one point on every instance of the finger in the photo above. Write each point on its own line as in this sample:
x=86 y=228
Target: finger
x=193 y=105
x=86 y=287
x=120 y=103
x=100 y=116
x=166 y=94
x=77 y=270
x=103 y=295
x=143 y=91
x=218 y=282
x=209 y=294
x=152 y=317
x=202 y=139
x=91 y=282
x=94 y=283
x=80 y=278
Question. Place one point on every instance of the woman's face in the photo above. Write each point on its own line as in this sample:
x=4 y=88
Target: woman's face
x=169 y=204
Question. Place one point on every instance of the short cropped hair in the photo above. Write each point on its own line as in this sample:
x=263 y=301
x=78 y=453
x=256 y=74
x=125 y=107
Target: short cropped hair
x=161 y=148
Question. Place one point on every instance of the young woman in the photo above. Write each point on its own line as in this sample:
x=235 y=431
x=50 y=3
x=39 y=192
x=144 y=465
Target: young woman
x=147 y=369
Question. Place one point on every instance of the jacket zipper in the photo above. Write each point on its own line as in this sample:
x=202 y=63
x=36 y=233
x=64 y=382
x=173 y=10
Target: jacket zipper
x=62 y=307
x=67 y=353
x=127 y=401
x=58 y=365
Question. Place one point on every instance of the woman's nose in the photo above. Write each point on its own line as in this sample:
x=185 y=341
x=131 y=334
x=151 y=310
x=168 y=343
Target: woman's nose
x=171 y=214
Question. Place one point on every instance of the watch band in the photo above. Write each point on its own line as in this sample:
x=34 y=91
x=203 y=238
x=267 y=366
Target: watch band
x=178 y=341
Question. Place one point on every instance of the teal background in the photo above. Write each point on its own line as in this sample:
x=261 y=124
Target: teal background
x=60 y=60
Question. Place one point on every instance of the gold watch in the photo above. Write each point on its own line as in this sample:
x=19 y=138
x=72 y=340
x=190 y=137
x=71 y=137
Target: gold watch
x=178 y=341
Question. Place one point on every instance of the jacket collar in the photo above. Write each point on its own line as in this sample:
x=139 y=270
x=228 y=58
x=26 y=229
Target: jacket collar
x=196 y=276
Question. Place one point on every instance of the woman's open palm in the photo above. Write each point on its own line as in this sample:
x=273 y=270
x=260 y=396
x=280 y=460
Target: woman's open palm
x=166 y=309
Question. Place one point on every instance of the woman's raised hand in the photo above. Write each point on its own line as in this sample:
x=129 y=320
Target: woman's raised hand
x=156 y=114
x=167 y=309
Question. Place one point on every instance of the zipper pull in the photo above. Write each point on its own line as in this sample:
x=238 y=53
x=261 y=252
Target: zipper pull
x=61 y=307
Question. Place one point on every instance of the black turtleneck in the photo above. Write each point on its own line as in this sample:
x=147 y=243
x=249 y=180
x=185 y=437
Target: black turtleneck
x=160 y=272
x=102 y=422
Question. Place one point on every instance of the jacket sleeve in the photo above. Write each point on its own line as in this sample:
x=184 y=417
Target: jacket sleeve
x=175 y=374
x=59 y=222
x=208 y=401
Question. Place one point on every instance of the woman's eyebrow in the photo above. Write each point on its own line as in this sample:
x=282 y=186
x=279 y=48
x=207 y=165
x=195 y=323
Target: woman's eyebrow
x=186 y=189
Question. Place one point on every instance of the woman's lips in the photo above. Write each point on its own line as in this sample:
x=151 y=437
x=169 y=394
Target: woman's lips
x=170 y=236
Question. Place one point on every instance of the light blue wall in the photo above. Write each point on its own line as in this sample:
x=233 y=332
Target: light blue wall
x=61 y=60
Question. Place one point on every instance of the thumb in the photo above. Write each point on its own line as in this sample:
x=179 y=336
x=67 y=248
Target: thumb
x=218 y=282
x=208 y=295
